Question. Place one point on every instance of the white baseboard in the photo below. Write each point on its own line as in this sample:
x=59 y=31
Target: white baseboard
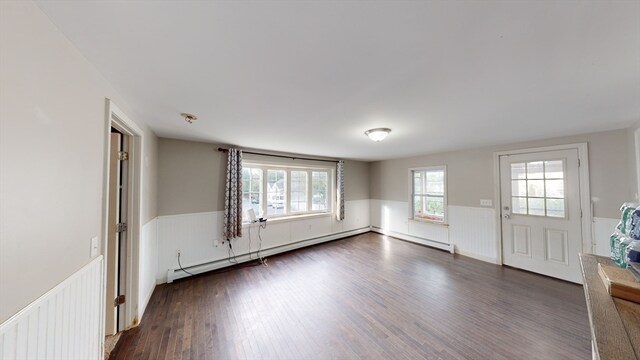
x=174 y=274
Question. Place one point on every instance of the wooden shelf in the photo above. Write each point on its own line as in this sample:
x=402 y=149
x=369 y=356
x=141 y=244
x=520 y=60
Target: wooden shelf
x=615 y=323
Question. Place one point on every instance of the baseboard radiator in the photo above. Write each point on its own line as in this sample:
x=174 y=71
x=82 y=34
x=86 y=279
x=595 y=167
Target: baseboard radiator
x=64 y=323
x=174 y=274
x=418 y=240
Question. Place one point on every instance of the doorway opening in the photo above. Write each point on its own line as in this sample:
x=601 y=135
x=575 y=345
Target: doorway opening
x=121 y=222
x=116 y=267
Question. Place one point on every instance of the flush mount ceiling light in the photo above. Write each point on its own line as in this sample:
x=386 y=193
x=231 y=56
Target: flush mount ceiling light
x=377 y=134
x=189 y=117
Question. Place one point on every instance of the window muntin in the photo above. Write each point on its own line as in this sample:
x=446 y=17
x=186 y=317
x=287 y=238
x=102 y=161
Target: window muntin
x=429 y=194
x=286 y=191
x=538 y=188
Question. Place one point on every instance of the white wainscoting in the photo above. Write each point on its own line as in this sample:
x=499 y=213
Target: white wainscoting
x=199 y=237
x=602 y=230
x=64 y=323
x=390 y=215
x=472 y=230
x=392 y=218
x=148 y=264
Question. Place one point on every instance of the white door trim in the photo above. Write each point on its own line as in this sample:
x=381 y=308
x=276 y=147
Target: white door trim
x=585 y=193
x=117 y=119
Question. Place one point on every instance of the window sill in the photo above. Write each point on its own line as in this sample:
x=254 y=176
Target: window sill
x=291 y=218
x=430 y=222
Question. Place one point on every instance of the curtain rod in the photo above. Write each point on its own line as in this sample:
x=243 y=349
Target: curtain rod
x=281 y=156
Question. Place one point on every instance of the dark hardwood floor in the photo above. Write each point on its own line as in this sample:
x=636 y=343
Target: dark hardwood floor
x=367 y=296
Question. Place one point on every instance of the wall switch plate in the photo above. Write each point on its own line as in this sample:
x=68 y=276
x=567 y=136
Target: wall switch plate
x=486 y=202
x=94 y=246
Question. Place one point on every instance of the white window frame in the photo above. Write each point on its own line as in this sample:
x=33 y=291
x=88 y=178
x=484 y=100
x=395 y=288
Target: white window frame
x=444 y=197
x=264 y=167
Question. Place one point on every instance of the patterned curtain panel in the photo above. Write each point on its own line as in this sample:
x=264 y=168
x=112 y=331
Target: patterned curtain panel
x=233 y=196
x=340 y=190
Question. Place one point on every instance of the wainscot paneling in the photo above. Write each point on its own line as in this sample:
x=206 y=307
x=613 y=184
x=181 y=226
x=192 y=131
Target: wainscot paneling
x=470 y=230
x=148 y=263
x=392 y=218
x=473 y=232
x=198 y=236
x=64 y=323
x=602 y=230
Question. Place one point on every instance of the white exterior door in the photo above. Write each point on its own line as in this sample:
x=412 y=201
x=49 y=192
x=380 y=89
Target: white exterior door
x=541 y=213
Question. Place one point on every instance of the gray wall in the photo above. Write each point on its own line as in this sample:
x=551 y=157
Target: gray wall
x=52 y=137
x=191 y=177
x=632 y=161
x=356 y=180
x=150 y=177
x=471 y=172
x=469 y=176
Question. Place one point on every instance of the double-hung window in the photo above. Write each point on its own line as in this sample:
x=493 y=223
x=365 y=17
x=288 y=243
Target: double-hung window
x=429 y=193
x=277 y=190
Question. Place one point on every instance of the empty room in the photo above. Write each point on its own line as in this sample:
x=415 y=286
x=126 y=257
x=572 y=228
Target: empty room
x=319 y=179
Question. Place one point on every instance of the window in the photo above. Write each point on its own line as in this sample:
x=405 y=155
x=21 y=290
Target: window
x=320 y=192
x=537 y=188
x=299 y=191
x=276 y=181
x=251 y=189
x=275 y=191
x=429 y=195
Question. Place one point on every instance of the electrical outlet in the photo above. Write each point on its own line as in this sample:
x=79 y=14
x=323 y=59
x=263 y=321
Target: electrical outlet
x=178 y=253
x=216 y=242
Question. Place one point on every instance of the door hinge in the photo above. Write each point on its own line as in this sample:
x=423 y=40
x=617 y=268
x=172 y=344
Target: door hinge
x=578 y=162
x=119 y=300
x=121 y=227
x=123 y=155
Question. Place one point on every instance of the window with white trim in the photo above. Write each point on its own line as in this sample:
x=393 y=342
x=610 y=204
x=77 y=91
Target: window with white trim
x=429 y=193
x=276 y=190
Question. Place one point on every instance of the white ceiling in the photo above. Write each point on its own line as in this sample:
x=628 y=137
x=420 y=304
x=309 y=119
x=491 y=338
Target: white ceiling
x=310 y=77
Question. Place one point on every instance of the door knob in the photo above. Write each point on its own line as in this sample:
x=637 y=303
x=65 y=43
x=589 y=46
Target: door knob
x=506 y=216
